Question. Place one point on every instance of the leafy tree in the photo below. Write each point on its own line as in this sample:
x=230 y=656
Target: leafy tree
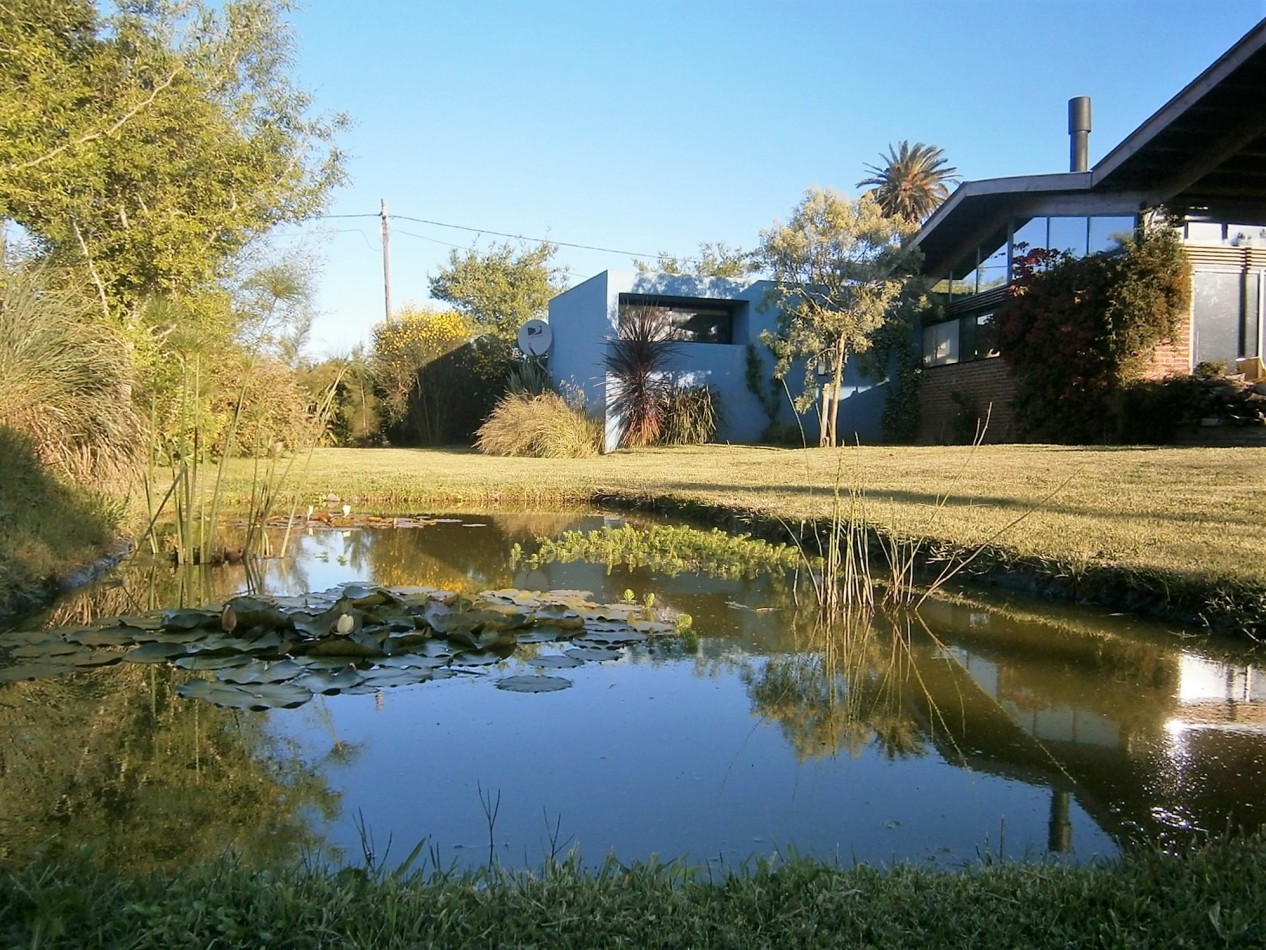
x=501 y=289
x=911 y=181
x=713 y=260
x=150 y=146
x=839 y=269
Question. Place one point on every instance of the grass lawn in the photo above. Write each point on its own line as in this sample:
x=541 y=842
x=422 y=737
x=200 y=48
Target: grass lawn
x=1211 y=896
x=1182 y=523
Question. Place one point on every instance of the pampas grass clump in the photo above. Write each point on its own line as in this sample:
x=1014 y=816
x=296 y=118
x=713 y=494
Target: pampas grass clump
x=539 y=426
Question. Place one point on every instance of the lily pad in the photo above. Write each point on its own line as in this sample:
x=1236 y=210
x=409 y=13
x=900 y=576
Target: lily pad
x=555 y=662
x=105 y=637
x=35 y=670
x=156 y=652
x=258 y=673
x=330 y=682
x=187 y=619
x=46 y=648
x=213 y=661
x=533 y=684
x=387 y=677
x=594 y=654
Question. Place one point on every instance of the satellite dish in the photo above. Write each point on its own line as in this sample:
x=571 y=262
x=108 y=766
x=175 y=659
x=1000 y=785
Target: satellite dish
x=535 y=338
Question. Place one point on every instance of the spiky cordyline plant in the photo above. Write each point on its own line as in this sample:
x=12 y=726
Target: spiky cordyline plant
x=637 y=359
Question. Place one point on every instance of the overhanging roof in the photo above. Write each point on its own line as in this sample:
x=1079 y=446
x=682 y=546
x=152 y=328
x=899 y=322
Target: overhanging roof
x=1202 y=153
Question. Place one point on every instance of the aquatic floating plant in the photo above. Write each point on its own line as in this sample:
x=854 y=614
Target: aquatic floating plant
x=271 y=652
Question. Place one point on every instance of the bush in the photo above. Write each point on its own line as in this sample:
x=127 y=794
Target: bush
x=691 y=416
x=66 y=377
x=1075 y=330
x=541 y=426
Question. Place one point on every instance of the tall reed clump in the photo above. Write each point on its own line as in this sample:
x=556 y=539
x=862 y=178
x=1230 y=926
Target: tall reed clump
x=692 y=415
x=195 y=497
x=66 y=377
x=539 y=426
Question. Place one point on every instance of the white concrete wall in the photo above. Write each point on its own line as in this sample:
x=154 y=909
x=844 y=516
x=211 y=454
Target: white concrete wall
x=585 y=317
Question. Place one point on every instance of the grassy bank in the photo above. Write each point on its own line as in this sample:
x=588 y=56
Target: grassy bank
x=1214 y=895
x=48 y=527
x=1142 y=528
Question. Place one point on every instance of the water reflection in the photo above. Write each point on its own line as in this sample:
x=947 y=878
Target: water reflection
x=934 y=738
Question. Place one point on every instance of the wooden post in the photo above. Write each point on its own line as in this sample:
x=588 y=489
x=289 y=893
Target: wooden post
x=386 y=259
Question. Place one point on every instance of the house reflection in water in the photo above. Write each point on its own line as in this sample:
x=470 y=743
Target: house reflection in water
x=1151 y=736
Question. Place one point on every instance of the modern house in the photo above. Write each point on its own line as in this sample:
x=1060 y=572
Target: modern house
x=1201 y=157
x=714 y=320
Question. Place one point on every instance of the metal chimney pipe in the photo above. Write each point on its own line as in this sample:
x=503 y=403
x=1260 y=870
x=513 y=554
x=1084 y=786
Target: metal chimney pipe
x=1079 y=134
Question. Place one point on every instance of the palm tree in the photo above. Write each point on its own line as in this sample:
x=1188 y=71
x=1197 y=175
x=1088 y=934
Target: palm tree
x=912 y=181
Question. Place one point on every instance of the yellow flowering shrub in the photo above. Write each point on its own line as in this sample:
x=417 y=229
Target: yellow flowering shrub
x=409 y=343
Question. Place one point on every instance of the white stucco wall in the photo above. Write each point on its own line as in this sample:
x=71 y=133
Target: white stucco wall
x=585 y=317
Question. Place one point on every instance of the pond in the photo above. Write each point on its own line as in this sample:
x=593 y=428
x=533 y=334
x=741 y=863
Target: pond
x=1001 y=729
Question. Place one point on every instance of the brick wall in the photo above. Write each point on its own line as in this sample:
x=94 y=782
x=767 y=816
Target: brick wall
x=1173 y=357
x=982 y=383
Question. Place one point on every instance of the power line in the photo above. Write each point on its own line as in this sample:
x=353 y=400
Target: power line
x=506 y=234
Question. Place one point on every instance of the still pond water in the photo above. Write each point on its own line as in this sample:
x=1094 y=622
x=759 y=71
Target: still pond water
x=1014 y=730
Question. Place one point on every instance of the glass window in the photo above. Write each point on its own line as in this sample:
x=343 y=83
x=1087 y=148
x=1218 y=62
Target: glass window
x=986 y=336
x=690 y=321
x=993 y=270
x=1215 y=317
x=1109 y=232
x=1205 y=232
x=940 y=343
x=1069 y=234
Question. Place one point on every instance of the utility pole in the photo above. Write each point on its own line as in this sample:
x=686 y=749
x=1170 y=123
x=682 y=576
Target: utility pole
x=386 y=259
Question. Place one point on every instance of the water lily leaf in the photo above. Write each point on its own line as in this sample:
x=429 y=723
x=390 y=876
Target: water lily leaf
x=259 y=672
x=195 y=688
x=342 y=647
x=155 y=652
x=213 y=661
x=533 y=684
x=555 y=662
x=594 y=654
x=35 y=670
x=608 y=635
x=89 y=659
x=105 y=637
x=484 y=640
x=364 y=595
x=476 y=659
x=412 y=661
x=53 y=646
x=262 y=697
x=186 y=619
x=331 y=681
x=558 y=615
x=255 y=612
x=385 y=678
x=546 y=633
x=141 y=622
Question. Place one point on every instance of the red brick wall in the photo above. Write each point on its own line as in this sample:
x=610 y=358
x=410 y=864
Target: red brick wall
x=1172 y=358
x=982 y=382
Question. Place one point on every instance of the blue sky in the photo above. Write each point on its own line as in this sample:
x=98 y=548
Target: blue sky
x=649 y=125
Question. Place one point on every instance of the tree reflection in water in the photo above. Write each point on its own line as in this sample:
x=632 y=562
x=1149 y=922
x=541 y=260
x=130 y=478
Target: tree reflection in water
x=845 y=687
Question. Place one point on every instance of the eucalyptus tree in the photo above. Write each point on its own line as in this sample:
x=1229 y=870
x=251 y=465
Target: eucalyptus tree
x=839 y=269
x=714 y=259
x=911 y=181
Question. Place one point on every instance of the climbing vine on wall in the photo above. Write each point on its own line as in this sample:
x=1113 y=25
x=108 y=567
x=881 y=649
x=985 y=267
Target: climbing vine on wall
x=1075 y=330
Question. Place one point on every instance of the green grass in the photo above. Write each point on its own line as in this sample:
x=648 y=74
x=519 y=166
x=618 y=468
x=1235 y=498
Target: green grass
x=48 y=525
x=1212 y=896
x=1176 y=526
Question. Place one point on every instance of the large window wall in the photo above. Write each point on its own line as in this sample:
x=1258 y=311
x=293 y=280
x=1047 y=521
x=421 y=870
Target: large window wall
x=992 y=266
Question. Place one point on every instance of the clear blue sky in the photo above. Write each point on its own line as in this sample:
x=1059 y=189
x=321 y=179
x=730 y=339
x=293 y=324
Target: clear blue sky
x=649 y=125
